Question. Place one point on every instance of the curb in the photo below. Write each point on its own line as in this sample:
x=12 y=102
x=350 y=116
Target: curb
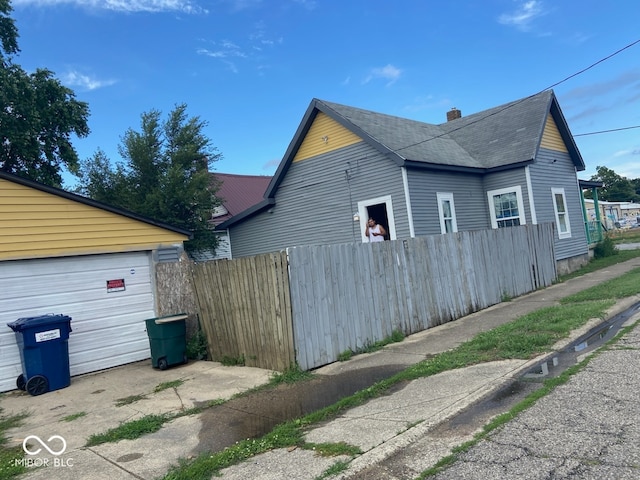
x=384 y=451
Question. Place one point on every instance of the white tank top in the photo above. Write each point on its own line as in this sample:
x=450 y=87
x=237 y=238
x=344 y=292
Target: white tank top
x=375 y=238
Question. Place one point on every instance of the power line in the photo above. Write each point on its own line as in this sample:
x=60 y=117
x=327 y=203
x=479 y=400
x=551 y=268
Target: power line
x=605 y=131
x=523 y=99
x=593 y=65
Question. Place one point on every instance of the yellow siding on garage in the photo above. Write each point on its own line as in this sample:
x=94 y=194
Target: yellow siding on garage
x=324 y=135
x=551 y=138
x=36 y=224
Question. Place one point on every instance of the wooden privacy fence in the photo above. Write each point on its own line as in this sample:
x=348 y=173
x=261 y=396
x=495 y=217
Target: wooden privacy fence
x=319 y=301
x=245 y=309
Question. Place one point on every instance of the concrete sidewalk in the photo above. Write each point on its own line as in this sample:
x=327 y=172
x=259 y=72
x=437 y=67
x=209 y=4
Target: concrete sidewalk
x=379 y=428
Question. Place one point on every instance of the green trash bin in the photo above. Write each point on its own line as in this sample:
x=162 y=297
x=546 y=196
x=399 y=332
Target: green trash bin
x=168 y=340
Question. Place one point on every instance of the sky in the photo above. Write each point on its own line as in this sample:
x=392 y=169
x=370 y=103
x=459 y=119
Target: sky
x=250 y=68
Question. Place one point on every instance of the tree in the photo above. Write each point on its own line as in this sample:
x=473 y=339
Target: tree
x=164 y=174
x=615 y=187
x=635 y=182
x=8 y=31
x=38 y=115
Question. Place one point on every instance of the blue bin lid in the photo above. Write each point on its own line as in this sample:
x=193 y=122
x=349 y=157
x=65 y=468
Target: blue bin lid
x=40 y=321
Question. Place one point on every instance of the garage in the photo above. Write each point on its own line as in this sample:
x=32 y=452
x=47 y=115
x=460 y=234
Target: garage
x=64 y=254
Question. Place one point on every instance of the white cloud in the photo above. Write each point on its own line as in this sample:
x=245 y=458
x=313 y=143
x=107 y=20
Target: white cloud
x=388 y=72
x=74 y=78
x=227 y=49
x=522 y=17
x=256 y=50
x=131 y=6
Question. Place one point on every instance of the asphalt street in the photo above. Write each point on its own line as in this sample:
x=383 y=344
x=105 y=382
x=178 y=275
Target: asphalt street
x=588 y=428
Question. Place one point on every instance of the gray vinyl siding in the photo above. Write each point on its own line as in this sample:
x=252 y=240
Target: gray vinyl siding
x=315 y=202
x=469 y=198
x=506 y=179
x=554 y=169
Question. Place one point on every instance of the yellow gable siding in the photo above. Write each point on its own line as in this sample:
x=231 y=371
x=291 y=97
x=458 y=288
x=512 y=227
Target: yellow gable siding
x=38 y=224
x=324 y=135
x=551 y=138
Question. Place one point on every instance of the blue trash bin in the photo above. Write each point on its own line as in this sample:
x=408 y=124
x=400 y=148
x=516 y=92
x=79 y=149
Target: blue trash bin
x=44 y=352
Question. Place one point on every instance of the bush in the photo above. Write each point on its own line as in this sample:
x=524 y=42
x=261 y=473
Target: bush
x=605 y=248
x=197 y=346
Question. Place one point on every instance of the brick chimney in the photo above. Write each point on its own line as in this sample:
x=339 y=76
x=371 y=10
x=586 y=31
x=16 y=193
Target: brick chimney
x=453 y=114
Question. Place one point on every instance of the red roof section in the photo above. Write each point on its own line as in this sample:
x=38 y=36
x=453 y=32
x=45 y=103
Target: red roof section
x=239 y=192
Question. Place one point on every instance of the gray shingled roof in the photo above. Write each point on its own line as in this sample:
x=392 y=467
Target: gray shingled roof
x=499 y=136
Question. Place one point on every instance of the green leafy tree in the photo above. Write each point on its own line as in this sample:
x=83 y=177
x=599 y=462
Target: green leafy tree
x=8 y=32
x=38 y=115
x=164 y=174
x=615 y=187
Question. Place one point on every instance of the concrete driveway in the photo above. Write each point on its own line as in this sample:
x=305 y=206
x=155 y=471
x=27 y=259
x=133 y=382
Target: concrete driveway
x=104 y=400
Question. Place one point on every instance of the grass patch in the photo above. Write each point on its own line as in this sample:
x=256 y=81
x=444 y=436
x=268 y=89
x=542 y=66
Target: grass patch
x=626 y=285
x=206 y=465
x=8 y=455
x=121 y=402
x=395 y=337
x=129 y=430
x=625 y=236
x=292 y=374
x=73 y=416
x=238 y=361
x=333 y=449
x=166 y=385
x=600 y=263
x=346 y=355
x=338 y=467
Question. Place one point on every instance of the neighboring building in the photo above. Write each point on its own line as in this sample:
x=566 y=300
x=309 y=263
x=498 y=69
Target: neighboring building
x=510 y=165
x=65 y=254
x=612 y=212
x=237 y=193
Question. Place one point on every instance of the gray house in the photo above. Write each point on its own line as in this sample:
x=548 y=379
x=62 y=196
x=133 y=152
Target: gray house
x=511 y=165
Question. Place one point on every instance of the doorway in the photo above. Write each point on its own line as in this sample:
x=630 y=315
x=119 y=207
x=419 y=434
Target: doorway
x=381 y=210
x=379 y=213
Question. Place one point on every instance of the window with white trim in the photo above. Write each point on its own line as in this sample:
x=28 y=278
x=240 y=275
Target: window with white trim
x=446 y=212
x=506 y=207
x=562 y=215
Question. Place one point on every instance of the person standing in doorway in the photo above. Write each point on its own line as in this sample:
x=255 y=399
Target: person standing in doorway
x=374 y=231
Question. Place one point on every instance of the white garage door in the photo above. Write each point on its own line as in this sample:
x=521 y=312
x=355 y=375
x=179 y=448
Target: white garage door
x=108 y=298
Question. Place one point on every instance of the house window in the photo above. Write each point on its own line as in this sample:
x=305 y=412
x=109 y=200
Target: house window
x=447 y=213
x=560 y=209
x=506 y=207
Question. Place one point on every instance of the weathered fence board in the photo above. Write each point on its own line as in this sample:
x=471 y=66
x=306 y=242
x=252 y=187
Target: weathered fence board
x=345 y=297
x=245 y=309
